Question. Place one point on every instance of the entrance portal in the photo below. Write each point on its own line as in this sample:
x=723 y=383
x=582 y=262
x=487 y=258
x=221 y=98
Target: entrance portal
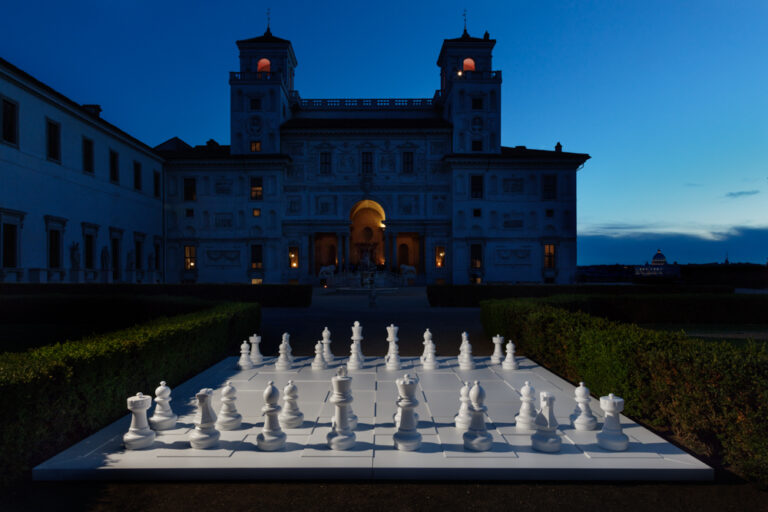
x=366 y=236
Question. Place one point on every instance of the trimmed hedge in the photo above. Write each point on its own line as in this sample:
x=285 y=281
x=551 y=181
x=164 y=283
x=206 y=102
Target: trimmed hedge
x=442 y=295
x=267 y=295
x=712 y=395
x=54 y=396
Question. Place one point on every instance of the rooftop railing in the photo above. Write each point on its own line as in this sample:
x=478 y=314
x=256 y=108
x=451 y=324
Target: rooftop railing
x=252 y=76
x=478 y=75
x=364 y=103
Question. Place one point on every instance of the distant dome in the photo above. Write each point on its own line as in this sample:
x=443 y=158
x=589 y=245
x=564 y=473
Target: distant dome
x=659 y=258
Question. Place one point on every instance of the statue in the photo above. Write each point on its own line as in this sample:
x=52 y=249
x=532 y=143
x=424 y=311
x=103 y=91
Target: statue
x=74 y=255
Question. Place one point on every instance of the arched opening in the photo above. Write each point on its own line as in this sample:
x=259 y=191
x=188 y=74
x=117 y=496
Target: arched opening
x=468 y=65
x=366 y=235
x=265 y=66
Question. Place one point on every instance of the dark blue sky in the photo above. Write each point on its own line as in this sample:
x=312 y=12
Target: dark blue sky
x=668 y=97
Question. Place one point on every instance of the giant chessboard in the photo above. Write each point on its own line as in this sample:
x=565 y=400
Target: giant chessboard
x=441 y=456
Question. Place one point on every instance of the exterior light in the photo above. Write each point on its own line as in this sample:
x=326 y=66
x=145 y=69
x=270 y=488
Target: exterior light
x=460 y=73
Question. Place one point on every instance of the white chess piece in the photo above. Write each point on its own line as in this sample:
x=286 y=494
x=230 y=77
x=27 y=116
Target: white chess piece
x=286 y=341
x=477 y=438
x=354 y=362
x=284 y=360
x=256 y=356
x=341 y=436
x=357 y=338
x=611 y=436
x=229 y=418
x=498 y=355
x=205 y=434
x=429 y=362
x=272 y=436
x=546 y=439
x=392 y=358
x=466 y=361
x=582 y=417
x=318 y=363
x=244 y=363
x=463 y=418
x=327 y=354
x=407 y=437
x=526 y=419
x=163 y=418
x=139 y=434
x=510 y=363
x=291 y=416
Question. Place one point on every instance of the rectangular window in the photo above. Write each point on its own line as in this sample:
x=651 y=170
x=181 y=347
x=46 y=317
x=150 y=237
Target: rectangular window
x=256 y=256
x=88 y=250
x=257 y=188
x=476 y=256
x=190 y=257
x=189 y=213
x=257 y=212
x=87 y=155
x=54 y=248
x=477 y=212
x=114 y=166
x=138 y=247
x=136 y=175
x=477 y=145
x=477 y=103
x=53 y=140
x=325 y=162
x=408 y=162
x=255 y=146
x=10 y=245
x=439 y=256
x=10 y=118
x=115 y=259
x=476 y=187
x=293 y=257
x=367 y=162
x=549 y=255
x=549 y=187
x=190 y=189
x=255 y=103
x=257 y=280
x=549 y=213
x=156 y=183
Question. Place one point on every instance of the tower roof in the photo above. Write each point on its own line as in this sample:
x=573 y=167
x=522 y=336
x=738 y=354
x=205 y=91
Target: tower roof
x=267 y=37
x=466 y=41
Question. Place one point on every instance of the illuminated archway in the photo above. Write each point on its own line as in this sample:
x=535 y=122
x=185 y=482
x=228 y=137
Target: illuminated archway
x=265 y=66
x=468 y=65
x=366 y=234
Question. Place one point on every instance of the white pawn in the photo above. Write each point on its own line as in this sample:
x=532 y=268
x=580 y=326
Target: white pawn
x=284 y=360
x=327 y=354
x=429 y=362
x=546 y=439
x=244 y=363
x=256 y=357
x=611 y=437
x=466 y=361
x=319 y=362
x=291 y=416
x=510 y=363
x=407 y=437
x=477 y=438
x=582 y=417
x=392 y=359
x=497 y=353
x=427 y=342
x=139 y=434
x=463 y=418
x=357 y=337
x=204 y=435
x=354 y=362
x=229 y=418
x=341 y=436
x=164 y=418
x=286 y=341
x=271 y=437
x=526 y=419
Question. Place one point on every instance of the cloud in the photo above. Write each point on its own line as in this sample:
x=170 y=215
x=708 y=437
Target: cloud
x=741 y=193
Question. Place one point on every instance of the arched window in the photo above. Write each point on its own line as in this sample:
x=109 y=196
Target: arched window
x=469 y=64
x=264 y=66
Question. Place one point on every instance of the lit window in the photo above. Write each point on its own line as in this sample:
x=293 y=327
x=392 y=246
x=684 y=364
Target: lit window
x=468 y=65
x=257 y=188
x=87 y=155
x=263 y=66
x=293 y=257
x=549 y=255
x=476 y=256
x=439 y=256
x=257 y=280
x=257 y=212
x=255 y=146
x=257 y=260
x=190 y=257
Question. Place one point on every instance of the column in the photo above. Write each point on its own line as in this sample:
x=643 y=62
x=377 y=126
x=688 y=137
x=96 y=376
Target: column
x=422 y=249
x=339 y=251
x=345 y=254
x=385 y=248
x=393 y=250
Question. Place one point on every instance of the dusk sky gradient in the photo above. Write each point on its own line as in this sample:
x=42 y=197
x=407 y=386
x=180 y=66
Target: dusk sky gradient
x=669 y=98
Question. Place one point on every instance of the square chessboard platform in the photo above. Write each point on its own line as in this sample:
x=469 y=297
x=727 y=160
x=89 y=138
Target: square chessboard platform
x=441 y=456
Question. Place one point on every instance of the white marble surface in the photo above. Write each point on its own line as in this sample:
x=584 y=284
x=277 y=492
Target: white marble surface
x=440 y=456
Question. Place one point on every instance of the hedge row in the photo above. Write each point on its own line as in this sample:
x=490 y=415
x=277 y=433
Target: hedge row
x=267 y=295
x=712 y=395
x=472 y=295
x=54 y=396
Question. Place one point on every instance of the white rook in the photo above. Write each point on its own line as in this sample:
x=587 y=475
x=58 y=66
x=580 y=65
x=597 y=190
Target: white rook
x=611 y=437
x=139 y=434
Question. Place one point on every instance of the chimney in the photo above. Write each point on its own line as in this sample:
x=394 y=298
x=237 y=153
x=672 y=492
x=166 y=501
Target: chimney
x=94 y=110
x=558 y=148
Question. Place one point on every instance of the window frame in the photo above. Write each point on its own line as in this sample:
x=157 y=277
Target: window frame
x=549 y=187
x=550 y=256
x=190 y=257
x=137 y=175
x=15 y=105
x=50 y=142
x=326 y=163
x=114 y=166
x=256 y=191
x=186 y=189
x=476 y=261
x=88 y=154
x=257 y=263
x=408 y=159
x=473 y=193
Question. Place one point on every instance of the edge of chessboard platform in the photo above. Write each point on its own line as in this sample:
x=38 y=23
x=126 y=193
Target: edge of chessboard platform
x=102 y=456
